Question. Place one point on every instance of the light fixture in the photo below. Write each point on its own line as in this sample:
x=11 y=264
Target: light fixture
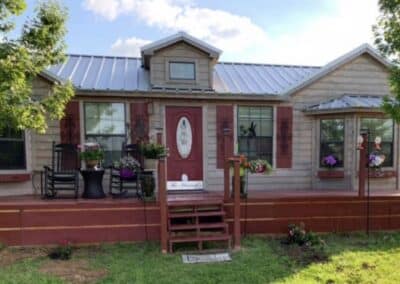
x=378 y=141
x=360 y=141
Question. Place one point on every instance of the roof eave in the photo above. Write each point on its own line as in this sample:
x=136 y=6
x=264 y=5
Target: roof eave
x=183 y=95
x=343 y=110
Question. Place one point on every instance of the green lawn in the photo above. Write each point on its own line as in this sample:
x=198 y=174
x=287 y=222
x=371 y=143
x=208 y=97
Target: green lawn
x=352 y=258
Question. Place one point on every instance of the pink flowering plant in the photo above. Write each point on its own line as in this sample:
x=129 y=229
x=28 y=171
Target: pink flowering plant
x=329 y=161
x=259 y=167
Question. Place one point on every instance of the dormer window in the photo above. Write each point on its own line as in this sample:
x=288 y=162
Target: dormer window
x=182 y=70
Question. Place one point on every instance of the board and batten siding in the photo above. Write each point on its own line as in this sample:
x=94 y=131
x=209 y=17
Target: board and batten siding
x=159 y=69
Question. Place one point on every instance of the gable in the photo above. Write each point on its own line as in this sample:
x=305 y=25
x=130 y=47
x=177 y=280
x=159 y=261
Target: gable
x=338 y=63
x=363 y=75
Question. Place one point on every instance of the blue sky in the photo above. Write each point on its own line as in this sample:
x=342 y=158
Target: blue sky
x=308 y=32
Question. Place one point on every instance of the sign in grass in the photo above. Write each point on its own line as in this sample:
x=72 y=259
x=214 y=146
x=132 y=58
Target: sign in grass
x=206 y=258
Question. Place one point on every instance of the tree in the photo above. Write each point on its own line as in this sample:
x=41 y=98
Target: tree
x=23 y=58
x=387 y=39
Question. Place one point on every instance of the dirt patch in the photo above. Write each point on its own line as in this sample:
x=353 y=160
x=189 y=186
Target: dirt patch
x=73 y=271
x=305 y=254
x=9 y=256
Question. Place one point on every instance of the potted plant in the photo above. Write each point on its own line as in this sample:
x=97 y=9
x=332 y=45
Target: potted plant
x=127 y=166
x=152 y=152
x=92 y=154
x=375 y=162
x=244 y=165
x=259 y=166
x=329 y=161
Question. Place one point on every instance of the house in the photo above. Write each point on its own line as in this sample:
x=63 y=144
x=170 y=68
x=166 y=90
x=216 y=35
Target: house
x=205 y=111
x=300 y=114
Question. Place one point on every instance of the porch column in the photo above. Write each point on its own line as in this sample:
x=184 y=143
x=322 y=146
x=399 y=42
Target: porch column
x=362 y=169
x=236 y=201
x=162 y=199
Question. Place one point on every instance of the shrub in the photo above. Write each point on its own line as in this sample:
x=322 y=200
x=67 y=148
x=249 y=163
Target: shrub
x=298 y=235
x=61 y=252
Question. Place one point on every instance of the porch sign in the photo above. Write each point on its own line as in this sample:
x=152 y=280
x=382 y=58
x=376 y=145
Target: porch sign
x=206 y=258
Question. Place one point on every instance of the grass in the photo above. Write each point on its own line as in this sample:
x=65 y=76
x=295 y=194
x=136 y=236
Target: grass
x=352 y=258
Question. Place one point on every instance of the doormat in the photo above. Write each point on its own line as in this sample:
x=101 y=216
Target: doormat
x=206 y=258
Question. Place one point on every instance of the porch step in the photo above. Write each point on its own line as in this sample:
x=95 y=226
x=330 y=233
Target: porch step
x=197 y=219
x=186 y=239
x=196 y=214
x=184 y=227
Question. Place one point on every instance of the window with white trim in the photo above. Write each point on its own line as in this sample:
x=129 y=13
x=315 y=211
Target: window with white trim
x=182 y=70
x=383 y=128
x=105 y=124
x=331 y=141
x=12 y=149
x=255 y=132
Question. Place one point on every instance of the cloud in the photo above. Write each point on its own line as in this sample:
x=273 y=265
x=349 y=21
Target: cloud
x=222 y=29
x=128 y=47
x=314 y=42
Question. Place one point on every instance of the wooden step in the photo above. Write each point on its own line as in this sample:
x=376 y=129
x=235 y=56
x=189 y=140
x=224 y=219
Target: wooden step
x=205 y=238
x=184 y=227
x=196 y=214
x=200 y=202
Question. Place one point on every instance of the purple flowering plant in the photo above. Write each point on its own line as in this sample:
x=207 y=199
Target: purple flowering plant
x=329 y=161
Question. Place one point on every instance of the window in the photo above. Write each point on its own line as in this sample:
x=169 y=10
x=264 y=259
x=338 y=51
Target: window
x=182 y=71
x=255 y=131
x=12 y=149
x=332 y=140
x=383 y=128
x=105 y=124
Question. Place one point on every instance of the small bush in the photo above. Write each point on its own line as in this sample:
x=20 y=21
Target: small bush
x=61 y=252
x=2 y=246
x=298 y=235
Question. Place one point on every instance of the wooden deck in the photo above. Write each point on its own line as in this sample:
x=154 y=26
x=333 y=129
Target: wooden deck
x=29 y=220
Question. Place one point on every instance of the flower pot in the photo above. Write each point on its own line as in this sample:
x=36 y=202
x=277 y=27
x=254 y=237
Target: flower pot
x=150 y=164
x=90 y=164
x=126 y=173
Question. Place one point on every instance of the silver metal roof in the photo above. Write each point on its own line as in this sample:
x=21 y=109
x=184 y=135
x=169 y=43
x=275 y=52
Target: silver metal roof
x=112 y=73
x=347 y=102
x=150 y=48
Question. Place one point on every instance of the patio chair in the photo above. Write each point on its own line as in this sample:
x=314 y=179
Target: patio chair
x=63 y=174
x=122 y=186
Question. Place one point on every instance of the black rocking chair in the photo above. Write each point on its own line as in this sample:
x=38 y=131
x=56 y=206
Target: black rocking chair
x=122 y=186
x=63 y=175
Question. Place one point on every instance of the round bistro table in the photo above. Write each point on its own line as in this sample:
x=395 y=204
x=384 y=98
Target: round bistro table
x=93 y=184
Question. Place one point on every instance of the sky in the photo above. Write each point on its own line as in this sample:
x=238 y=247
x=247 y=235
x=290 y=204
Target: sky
x=301 y=32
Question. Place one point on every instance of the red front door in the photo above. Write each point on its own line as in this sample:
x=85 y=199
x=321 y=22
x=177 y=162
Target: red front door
x=185 y=143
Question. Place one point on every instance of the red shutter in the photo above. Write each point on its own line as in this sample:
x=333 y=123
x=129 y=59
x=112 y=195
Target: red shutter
x=139 y=123
x=284 y=137
x=69 y=125
x=224 y=121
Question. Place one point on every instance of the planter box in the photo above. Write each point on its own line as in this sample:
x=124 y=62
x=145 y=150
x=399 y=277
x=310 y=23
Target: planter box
x=330 y=174
x=382 y=174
